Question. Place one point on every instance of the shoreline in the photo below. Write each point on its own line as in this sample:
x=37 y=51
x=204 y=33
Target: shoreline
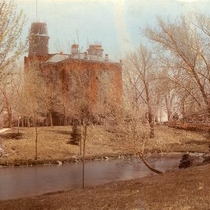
x=73 y=159
x=78 y=159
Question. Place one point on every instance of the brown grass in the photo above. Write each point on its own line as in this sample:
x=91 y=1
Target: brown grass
x=52 y=143
x=178 y=140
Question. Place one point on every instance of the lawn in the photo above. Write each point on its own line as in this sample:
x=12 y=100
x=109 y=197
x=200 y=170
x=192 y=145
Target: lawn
x=52 y=142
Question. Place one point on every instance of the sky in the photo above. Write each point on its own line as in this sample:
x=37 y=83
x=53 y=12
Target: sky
x=115 y=24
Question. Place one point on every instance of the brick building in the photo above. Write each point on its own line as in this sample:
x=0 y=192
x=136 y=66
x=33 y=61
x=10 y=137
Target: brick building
x=79 y=77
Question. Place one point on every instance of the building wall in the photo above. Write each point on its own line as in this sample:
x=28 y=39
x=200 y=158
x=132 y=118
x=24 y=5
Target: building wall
x=90 y=82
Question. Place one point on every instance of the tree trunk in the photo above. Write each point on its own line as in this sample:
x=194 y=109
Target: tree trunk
x=28 y=122
x=83 y=156
x=151 y=124
x=22 y=122
x=9 y=110
x=147 y=164
x=18 y=124
x=36 y=140
x=65 y=118
x=150 y=114
x=80 y=141
x=51 y=119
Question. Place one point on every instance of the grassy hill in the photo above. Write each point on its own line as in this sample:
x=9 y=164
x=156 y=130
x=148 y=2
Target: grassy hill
x=52 y=142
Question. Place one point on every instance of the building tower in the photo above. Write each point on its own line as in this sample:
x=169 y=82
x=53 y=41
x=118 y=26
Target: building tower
x=38 y=40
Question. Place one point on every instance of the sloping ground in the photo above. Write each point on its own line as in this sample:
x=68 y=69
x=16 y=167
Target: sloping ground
x=187 y=189
x=190 y=126
x=2 y=152
x=52 y=143
x=182 y=140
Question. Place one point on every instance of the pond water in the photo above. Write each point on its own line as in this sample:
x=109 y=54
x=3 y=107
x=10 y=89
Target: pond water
x=31 y=181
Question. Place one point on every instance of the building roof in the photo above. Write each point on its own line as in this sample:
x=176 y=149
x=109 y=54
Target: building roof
x=57 y=58
x=89 y=57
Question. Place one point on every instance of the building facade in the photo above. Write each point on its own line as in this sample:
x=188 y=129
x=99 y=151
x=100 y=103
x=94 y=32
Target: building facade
x=79 y=79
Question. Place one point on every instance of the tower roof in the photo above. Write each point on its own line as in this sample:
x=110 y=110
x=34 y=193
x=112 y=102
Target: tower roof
x=39 y=28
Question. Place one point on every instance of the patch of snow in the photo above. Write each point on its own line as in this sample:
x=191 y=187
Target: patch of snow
x=3 y=130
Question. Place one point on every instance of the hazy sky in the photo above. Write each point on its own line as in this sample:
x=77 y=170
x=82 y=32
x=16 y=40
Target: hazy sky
x=113 y=23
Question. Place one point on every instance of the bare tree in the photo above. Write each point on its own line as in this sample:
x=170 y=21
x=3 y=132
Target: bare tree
x=9 y=94
x=32 y=101
x=184 y=44
x=130 y=133
x=52 y=91
x=11 y=46
x=128 y=120
x=76 y=100
x=7 y=105
x=9 y=89
x=141 y=65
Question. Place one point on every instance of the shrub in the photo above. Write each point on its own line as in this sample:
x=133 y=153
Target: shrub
x=75 y=135
x=186 y=161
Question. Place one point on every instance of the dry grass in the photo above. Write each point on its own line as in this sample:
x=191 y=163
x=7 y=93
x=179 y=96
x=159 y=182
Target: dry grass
x=52 y=142
x=171 y=139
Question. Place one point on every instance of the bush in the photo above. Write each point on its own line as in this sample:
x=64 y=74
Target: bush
x=12 y=136
x=75 y=135
x=186 y=161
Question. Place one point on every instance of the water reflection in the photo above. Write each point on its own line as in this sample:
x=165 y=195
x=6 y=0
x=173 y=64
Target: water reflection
x=24 y=182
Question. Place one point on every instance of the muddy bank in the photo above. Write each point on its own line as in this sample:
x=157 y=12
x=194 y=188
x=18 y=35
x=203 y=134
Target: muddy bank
x=76 y=159
x=73 y=159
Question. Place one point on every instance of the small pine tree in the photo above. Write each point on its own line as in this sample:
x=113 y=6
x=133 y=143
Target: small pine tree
x=75 y=134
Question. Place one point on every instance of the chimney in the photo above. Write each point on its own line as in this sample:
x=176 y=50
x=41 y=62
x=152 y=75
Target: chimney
x=85 y=55
x=106 y=57
x=95 y=49
x=74 y=49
